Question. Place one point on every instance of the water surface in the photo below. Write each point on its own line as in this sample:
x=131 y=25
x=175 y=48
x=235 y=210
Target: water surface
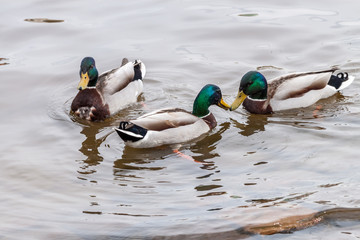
x=69 y=179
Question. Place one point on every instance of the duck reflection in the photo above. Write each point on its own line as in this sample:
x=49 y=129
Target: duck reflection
x=89 y=147
x=144 y=159
x=92 y=142
x=139 y=159
x=205 y=148
x=255 y=123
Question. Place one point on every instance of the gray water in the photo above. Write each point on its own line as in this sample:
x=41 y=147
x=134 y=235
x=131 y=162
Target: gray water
x=62 y=178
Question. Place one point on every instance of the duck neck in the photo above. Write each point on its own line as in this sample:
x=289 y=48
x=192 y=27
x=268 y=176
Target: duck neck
x=200 y=107
x=92 y=82
x=261 y=95
x=262 y=88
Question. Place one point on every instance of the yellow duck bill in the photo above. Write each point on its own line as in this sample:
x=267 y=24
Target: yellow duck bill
x=83 y=81
x=223 y=104
x=238 y=101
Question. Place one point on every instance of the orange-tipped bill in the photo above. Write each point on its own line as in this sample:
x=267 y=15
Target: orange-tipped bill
x=238 y=101
x=223 y=104
x=83 y=81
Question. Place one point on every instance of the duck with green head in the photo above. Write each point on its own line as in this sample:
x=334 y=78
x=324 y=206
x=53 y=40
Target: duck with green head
x=102 y=96
x=290 y=91
x=173 y=125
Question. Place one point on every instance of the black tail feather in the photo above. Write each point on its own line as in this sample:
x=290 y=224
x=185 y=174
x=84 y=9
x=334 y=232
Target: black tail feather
x=137 y=71
x=130 y=132
x=337 y=80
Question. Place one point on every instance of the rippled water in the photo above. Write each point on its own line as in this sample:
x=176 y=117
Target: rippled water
x=67 y=179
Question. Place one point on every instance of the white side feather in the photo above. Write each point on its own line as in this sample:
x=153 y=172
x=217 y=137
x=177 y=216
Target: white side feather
x=171 y=135
x=278 y=103
x=193 y=128
x=124 y=97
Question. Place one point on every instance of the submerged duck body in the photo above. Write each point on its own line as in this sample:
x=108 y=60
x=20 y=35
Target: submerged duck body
x=173 y=125
x=290 y=91
x=102 y=96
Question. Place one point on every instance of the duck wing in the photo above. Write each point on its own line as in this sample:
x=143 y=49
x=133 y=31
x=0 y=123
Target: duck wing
x=299 y=90
x=165 y=118
x=117 y=79
x=297 y=84
x=162 y=127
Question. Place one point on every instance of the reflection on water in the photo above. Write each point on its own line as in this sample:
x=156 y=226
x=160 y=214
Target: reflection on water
x=206 y=147
x=90 y=146
x=2 y=61
x=331 y=217
x=43 y=20
x=309 y=118
x=248 y=166
x=277 y=201
x=206 y=150
x=274 y=15
x=247 y=14
x=254 y=123
x=133 y=154
x=96 y=134
x=133 y=160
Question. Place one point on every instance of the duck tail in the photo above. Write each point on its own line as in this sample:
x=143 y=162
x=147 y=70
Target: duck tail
x=341 y=80
x=124 y=62
x=130 y=132
x=139 y=70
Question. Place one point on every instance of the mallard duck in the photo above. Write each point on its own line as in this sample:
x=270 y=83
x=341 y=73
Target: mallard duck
x=290 y=91
x=173 y=125
x=100 y=97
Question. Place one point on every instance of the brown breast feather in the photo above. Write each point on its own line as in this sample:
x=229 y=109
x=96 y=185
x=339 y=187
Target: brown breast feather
x=210 y=121
x=257 y=106
x=91 y=98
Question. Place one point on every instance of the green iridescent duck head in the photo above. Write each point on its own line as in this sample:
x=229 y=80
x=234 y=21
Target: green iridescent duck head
x=209 y=95
x=252 y=84
x=88 y=73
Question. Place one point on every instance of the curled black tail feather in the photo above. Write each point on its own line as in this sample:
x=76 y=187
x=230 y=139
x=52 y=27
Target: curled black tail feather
x=337 y=80
x=130 y=132
x=123 y=125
